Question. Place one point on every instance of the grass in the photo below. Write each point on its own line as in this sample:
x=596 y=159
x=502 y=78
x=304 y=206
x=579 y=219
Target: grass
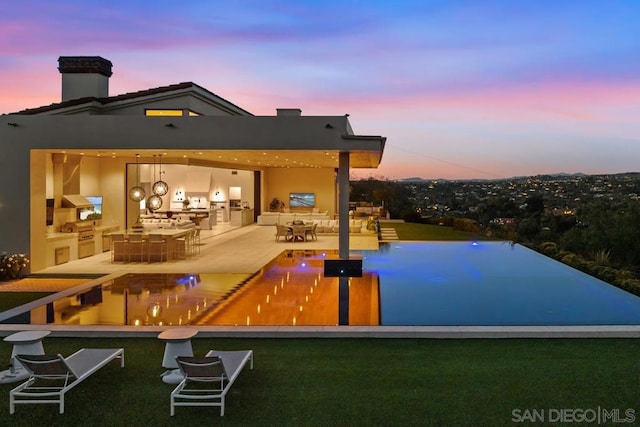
x=359 y=382
x=9 y=300
x=414 y=231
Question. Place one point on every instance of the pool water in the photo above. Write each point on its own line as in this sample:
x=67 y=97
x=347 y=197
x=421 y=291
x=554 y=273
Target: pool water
x=491 y=283
x=404 y=284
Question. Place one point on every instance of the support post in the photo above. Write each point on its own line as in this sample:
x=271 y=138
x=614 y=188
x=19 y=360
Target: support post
x=343 y=235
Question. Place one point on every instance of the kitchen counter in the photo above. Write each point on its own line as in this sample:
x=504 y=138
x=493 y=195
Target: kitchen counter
x=241 y=217
x=52 y=237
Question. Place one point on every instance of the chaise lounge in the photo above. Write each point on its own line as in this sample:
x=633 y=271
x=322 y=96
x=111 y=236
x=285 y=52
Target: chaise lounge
x=218 y=369
x=51 y=377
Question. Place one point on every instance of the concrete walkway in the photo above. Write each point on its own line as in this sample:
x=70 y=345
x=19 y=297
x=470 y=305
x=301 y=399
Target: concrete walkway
x=222 y=250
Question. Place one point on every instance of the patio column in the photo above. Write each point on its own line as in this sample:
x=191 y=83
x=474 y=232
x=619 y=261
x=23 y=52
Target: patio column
x=343 y=235
x=343 y=205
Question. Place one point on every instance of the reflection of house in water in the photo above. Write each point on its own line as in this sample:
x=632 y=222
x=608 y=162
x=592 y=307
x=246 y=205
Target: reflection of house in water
x=291 y=290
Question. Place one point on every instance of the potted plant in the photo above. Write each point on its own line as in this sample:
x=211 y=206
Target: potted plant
x=11 y=266
x=185 y=204
x=276 y=205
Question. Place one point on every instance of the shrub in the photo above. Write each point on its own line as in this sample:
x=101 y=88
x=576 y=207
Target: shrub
x=465 y=224
x=629 y=285
x=550 y=249
x=12 y=265
x=412 y=217
x=573 y=260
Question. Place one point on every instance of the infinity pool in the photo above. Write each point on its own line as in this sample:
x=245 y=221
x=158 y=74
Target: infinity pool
x=491 y=283
x=404 y=284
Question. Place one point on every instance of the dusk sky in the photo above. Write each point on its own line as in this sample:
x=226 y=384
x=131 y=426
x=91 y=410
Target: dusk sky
x=461 y=89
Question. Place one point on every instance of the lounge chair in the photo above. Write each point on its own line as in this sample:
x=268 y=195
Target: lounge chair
x=53 y=376
x=218 y=369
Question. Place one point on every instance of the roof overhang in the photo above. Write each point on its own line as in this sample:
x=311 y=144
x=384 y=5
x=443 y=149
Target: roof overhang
x=239 y=141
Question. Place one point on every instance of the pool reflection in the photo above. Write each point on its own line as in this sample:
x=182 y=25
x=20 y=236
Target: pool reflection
x=290 y=290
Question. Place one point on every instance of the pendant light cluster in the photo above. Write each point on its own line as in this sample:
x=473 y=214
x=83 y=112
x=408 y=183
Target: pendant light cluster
x=137 y=193
x=160 y=188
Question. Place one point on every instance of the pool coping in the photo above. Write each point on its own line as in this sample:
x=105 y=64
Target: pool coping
x=428 y=332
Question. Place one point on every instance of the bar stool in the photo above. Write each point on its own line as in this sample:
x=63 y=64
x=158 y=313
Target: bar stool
x=196 y=241
x=158 y=246
x=136 y=247
x=118 y=246
x=180 y=246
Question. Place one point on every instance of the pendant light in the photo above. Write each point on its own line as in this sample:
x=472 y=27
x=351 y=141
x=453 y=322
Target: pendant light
x=160 y=188
x=137 y=193
x=154 y=202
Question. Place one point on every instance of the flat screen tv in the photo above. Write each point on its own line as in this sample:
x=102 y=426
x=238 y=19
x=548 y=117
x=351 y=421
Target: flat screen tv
x=95 y=212
x=302 y=200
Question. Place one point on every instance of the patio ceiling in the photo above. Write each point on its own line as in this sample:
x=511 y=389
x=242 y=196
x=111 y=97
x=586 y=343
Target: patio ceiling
x=239 y=159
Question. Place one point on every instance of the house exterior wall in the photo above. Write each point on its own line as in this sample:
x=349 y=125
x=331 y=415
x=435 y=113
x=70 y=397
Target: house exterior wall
x=25 y=169
x=183 y=102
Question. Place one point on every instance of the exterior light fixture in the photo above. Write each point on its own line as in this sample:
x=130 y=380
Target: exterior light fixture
x=160 y=188
x=137 y=193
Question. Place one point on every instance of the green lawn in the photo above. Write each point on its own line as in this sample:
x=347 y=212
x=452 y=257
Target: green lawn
x=10 y=300
x=414 y=231
x=361 y=382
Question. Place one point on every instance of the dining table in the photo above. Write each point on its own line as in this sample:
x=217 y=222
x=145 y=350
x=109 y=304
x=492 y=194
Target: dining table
x=302 y=237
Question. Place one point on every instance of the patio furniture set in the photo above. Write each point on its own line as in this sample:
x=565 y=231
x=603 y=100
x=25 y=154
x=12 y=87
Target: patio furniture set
x=297 y=231
x=201 y=381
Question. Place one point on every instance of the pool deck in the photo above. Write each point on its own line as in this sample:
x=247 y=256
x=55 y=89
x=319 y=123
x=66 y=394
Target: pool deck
x=227 y=249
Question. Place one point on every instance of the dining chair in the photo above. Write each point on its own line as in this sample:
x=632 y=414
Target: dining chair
x=283 y=231
x=298 y=232
x=311 y=232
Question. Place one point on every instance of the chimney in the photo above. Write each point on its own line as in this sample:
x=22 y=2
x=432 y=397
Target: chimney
x=84 y=76
x=288 y=112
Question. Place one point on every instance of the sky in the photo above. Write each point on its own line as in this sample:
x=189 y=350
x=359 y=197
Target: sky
x=461 y=89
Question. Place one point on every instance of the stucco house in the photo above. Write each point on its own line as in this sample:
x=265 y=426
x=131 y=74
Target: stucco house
x=209 y=150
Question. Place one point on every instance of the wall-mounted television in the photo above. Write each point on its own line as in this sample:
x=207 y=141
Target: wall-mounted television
x=302 y=200
x=92 y=213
